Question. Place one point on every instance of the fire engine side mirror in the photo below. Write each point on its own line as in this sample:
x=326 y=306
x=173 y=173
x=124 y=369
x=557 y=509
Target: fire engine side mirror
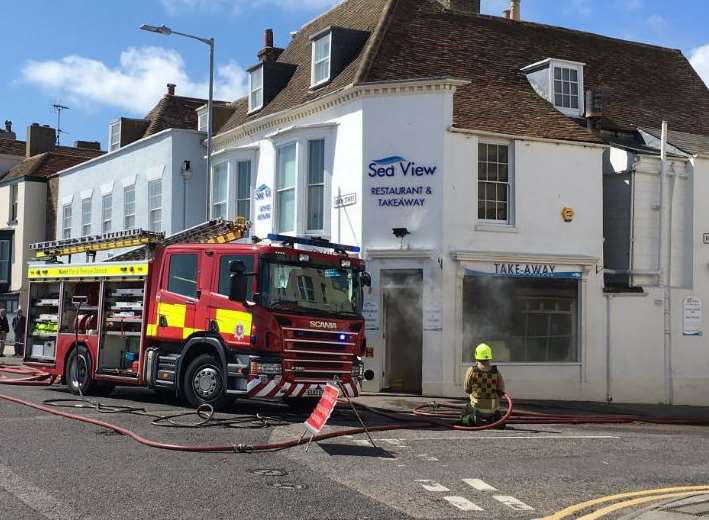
x=366 y=279
x=237 y=286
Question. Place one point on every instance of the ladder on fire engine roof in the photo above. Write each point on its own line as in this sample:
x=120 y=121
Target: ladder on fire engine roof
x=218 y=231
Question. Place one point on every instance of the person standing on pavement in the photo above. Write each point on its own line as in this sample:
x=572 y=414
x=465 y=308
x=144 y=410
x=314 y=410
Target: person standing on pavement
x=18 y=328
x=485 y=385
x=4 y=329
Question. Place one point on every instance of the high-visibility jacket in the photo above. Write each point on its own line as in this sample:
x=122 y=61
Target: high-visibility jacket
x=485 y=387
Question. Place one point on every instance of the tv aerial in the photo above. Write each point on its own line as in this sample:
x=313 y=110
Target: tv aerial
x=58 y=109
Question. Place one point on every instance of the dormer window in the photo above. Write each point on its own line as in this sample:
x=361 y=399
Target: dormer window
x=202 y=119
x=560 y=82
x=321 y=59
x=256 y=89
x=114 y=136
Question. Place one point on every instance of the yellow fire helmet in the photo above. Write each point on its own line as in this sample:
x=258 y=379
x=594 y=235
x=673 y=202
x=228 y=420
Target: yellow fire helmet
x=483 y=352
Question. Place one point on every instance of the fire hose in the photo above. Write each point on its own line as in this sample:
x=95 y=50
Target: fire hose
x=424 y=416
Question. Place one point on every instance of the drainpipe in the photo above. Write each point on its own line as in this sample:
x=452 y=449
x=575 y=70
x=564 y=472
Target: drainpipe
x=665 y=264
x=186 y=171
x=609 y=396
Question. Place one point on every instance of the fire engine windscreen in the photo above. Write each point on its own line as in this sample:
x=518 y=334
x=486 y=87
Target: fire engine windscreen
x=311 y=289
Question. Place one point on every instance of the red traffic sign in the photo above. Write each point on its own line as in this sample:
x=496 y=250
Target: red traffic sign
x=323 y=410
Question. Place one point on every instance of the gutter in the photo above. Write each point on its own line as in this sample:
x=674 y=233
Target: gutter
x=585 y=144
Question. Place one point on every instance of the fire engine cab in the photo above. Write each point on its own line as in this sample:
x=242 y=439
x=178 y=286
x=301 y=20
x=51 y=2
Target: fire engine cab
x=199 y=314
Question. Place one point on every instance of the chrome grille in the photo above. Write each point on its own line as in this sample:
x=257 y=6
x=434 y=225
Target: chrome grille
x=314 y=355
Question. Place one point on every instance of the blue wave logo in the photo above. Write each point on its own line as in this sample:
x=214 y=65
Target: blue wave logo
x=389 y=160
x=263 y=187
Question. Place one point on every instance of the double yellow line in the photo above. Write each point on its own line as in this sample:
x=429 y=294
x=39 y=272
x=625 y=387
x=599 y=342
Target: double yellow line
x=625 y=500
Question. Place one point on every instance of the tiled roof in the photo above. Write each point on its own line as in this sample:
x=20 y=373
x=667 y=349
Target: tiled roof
x=640 y=84
x=174 y=112
x=46 y=164
x=12 y=147
x=418 y=39
x=690 y=143
x=363 y=15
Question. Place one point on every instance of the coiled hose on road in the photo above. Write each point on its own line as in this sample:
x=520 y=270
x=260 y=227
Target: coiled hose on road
x=425 y=416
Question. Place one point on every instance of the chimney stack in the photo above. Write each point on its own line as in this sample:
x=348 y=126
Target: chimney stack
x=8 y=133
x=463 y=6
x=40 y=139
x=506 y=14
x=87 y=145
x=269 y=52
x=515 y=10
x=171 y=89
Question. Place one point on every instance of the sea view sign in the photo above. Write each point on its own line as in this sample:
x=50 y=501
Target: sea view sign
x=406 y=181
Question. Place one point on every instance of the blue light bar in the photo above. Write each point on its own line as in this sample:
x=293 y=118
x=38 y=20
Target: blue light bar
x=316 y=242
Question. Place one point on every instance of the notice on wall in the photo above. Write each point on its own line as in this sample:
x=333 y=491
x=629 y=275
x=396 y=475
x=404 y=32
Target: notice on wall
x=432 y=317
x=692 y=316
x=370 y=311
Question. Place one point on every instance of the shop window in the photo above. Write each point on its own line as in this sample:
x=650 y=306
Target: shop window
x=524 y=320
x=494 y=186
x=225 y=273
x=182 y=276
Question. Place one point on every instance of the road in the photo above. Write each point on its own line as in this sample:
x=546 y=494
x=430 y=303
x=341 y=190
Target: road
x=54 y=468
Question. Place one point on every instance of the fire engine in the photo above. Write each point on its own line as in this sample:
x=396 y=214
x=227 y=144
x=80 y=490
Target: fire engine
x=199 y=314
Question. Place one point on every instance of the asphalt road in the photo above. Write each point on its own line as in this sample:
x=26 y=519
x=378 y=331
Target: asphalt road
x=53 y=468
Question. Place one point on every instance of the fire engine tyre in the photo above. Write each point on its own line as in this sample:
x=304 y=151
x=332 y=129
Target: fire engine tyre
x=203 y=383
x=85 y=382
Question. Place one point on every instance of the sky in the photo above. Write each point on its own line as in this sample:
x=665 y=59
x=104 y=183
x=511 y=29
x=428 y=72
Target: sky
x=90 y=56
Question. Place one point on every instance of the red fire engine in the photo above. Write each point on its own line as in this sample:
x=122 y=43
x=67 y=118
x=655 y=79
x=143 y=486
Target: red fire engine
x=198 y=314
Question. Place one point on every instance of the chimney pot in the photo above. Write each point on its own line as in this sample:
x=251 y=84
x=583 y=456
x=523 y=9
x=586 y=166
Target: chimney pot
x=268 y=38
x=171 y=89
x=506 y=14
x=515 y=10
x=87 y=145
x=8 y=125
x=269 y=52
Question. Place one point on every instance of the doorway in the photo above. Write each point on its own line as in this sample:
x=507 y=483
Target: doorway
x=403 y=329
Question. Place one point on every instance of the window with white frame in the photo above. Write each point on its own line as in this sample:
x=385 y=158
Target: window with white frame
x=129 y=207
x=106 y=212
x=243 y=189
x=316 y=185
x=202 y=118
x=114 y=136
x=13 y=202
x=566 y=88
x=86 y=217
x=66 y=221
x=321 y=60
x=220 y=190
x=494 y=186
x=155 y=205
x=256 y=89
x=285 y=188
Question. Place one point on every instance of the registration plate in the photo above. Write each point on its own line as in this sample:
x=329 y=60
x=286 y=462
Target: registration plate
x=313 y=392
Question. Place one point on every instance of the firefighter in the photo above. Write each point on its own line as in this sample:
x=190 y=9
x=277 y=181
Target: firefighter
x=485 y=385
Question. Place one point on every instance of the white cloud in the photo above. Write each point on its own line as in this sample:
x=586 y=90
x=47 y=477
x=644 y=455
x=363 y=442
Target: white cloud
x=136 y=84
x=657 y=22
x=578 y=7
x=175 y=7
x=699 y=58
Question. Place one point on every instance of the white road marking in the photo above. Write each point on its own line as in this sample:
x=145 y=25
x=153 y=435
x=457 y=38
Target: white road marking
x=493 y=437
x=513 y=503
x=432 y=485
x=463 y=504
x=397 y=443
x=34 y=497
x=478 y=484
x=361 y=442
x=427 y=458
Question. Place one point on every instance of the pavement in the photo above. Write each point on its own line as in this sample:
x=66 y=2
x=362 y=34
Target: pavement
x=53 y=468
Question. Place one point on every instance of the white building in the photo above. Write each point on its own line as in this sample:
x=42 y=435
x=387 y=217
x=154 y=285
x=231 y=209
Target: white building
x=154 y=176
x=456 y=150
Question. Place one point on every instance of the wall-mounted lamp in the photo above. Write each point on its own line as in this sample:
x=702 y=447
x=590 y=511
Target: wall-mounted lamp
x=400 y=232
x=186 y=169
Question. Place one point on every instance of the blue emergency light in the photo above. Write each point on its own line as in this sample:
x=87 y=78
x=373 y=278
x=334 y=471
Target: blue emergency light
x=316 y=242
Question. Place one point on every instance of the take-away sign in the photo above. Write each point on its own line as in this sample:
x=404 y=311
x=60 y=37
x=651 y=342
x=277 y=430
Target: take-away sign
x=323 y=410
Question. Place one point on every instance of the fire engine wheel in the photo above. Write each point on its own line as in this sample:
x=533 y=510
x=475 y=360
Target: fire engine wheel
x=203 y=383
x=82 y=380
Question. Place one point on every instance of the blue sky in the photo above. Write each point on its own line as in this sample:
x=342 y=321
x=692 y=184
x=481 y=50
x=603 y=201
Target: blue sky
x=91 y=56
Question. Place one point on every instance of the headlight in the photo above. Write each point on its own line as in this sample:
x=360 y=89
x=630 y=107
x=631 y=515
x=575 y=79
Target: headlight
x=268 y=369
